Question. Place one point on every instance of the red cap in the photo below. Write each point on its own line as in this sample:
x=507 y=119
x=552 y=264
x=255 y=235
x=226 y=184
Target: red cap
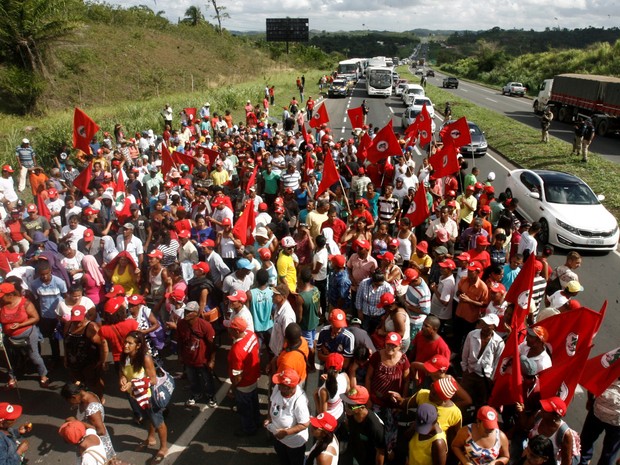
x=264 y=253
x=488 y=416
x=422 y=246
x=362 y=244
x=7 y=168
x=338 y=260
x=437 y=363
x=136 y=299
x=539 y=332
x=6 y=288
x=262 y=207
x=279 y=210
x=88 y=235
x=238 y=296
x=334 y=360
x=489 y=189
x=90 y=211
x=362 y=202
x=465 y=257
x=479 y=185
x=386 y=299
x=394 y=243
x=448 y=263
x=78 y=313
x=184 y=234
x=411 y=274
x=238 y=323
x=52 y=193
x=485 y=209
x=470 y=188
x=482 y=240
x=356 y=396
x=497 y=287
x=31 y=208
x=324 y=421
x=177 y=294
x=116 y=290
x=72 y=431
x=226 y=222
x=113 y=305
x=474 y=266
x=538 y=265
x=208 y=243
x=287 y=377
x=217 y=201
x=393 y=338
x=445 y=388
x=156 y=254
x=10 y=411
x=451 y=193
x=338 y=318
x=554 y=404
x=389 y=256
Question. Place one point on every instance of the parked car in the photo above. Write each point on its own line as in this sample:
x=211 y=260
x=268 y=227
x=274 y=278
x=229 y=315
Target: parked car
x=338 y=88
x=514 y=88
x=571 y=215
x=430 y=73
x=478 y=146
x=401 y=85
x=409 y=115
x=450 y=82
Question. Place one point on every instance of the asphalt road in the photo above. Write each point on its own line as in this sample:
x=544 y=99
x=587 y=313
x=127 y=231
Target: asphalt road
x=196 y=433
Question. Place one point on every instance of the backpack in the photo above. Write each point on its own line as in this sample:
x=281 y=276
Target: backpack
x=559 y=439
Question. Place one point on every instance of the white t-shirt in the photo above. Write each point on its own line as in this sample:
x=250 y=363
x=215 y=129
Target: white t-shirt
x=74 y=263
x=288 y=412
x=7 y=189
x=527 y=242
x=134 y=247
x=76 y=234
x=54 y=207
x=321 y=257
x=445 y=287
x=243 y=313
x=543 y=360
x=64 y=311
x=94 y=455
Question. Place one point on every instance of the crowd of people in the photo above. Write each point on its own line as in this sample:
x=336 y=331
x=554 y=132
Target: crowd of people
x=404 y=323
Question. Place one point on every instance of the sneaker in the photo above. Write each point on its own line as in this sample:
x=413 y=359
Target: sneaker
x=190 y=402
x=212 y=403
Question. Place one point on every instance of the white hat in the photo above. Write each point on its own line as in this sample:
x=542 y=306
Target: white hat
x=25 y=141
x=107 y=195
x=261 y=231
x=288 y=241
x=491 y=319
x=491 y=176
x=207 y=104
x=157 y=163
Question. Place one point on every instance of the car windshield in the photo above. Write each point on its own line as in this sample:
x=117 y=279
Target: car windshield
x=475 y=130
x=570 y=194
x=517 y=84
x=339 y=83
x=421 y=102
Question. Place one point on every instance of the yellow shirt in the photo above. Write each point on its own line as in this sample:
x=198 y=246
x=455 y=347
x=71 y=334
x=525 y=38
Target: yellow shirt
x=424 y=262
x=219 y=177
x=126 y=280
x=287 y=271
x=421 y=451
x=446 y=416
x=468 y=207
x=130 y=373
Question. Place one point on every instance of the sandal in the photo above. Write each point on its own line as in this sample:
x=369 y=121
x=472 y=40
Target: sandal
x=12 y=384
x=159 y=458
x=44 y=382
x=144 y=445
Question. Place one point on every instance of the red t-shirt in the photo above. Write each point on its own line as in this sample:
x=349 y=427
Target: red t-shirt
x=243 y=360
x=425 y=349
x=338 y=226
x=115 y=335
x=192 y=340
x=483 y=257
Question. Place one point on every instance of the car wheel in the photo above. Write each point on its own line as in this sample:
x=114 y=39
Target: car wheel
x=456 y=87
x=543 y=235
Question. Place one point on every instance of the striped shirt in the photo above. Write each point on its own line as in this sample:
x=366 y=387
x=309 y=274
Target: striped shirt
x=387 y=208
x=291 y=180
x=369 y=296
x=419 y=296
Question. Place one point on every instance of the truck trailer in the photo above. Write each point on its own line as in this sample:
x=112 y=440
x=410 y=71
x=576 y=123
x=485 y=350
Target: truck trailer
x=571 y=96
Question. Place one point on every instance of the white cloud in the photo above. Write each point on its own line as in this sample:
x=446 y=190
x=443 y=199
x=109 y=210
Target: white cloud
x=401 y=15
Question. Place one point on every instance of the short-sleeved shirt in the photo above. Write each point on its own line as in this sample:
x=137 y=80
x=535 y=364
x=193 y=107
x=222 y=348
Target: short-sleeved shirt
x=261 y=304
x=192 y=340
x=445 y=288
x=343 y=343
x=285 y=413
x=366 y=437
x=360 y=268
x=447 y=417
x=296 y=359
x=271 y=182
x=243 y=360
x=478 y=292
x=286 y=270
x=115 y=335
x=49 y=295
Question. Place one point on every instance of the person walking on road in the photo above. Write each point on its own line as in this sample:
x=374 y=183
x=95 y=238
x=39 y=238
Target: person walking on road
x=545 y=123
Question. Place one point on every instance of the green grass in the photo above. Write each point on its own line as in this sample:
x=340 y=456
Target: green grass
x=520 y=144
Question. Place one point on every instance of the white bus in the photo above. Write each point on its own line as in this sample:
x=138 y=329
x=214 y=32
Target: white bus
x=379 y=81
x=377 y=61
x=352 y=67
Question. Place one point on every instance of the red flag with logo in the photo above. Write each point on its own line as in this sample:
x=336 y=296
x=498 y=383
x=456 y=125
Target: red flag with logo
x=425 y=126
x=167 y=162
x=252 y=180
x=212 y=154
x=457 y=132
x=84 y=128
x=319 y=117
x=330 y=175
x=191 y=114
x=507 y=386
x=561 y=379
x=362 y=148
x=418 y=210
x=309 y=165
x=245 y=224
x=413 y=129
x=520 y=292
x=356 y=116
x=384 y=145
x=599 y=372
x=444 y=161
x=42 y=206
x=83 y=179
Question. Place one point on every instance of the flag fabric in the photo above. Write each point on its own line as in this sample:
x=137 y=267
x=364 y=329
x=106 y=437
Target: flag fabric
x=457 y=132
x=561 y=379
x=252 y=180
x=167 y=162
x=330 y=175
x=191 y=114
x=305 y=134
x=83 y=179
x=384 y=144
x=245 y=224
x=445 y=161
x=84 y=128
x=413 y=129
x=212 y=154
x=362 y=148
x=599 y=372
x=309 y=165
x=319 y=117
x=425 y=127
x=184 y=159
x=43 y=210
x=356 y=116
x=418 y=210
x=507 y=386
x=119 y=185
x=520 y=292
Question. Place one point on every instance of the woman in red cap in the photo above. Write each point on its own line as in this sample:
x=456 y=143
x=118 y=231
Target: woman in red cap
x=327 y=397
x=326 y=449
x=482 y=443
x=12 y=446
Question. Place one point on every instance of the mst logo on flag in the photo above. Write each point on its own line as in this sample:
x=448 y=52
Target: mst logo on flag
x=84 y=128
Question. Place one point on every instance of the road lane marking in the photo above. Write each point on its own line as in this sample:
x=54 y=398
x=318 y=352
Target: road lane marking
x=487 y=98
x=464 y=90
x=391 y=109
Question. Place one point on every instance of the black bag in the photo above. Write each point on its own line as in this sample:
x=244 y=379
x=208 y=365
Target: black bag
x=23 y=341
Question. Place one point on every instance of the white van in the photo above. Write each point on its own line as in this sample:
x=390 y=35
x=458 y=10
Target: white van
x=411 y=92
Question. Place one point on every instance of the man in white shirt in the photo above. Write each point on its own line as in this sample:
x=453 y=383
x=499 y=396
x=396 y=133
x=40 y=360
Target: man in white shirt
x=8 y=196
x=528 y=243
x=130 y=243
x=443 y=292
x=534 y=348
x=283 y=316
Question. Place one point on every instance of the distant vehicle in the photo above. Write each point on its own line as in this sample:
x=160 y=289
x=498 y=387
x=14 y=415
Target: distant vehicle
x=401 y=85
x=338 y=88
x=430 y=73
x=419 y=72
x=450 y=82
x=395 y=79
x=574 y=95
x=478 y=146
x=377 y=62
x=349 y=78
x=570 y=214
x=353 y=67
x=411 y=92
x=514 y=88
x=409 y=115
x=419 y=102
x=379 y=81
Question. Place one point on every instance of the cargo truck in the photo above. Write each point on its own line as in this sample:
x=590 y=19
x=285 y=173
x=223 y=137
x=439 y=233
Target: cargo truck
x=571 y=96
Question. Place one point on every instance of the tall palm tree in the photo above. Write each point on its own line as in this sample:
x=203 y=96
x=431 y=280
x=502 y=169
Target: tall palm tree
x=193 y=16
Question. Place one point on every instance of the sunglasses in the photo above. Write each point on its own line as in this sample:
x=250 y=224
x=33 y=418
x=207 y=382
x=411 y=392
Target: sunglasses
x=353 y=408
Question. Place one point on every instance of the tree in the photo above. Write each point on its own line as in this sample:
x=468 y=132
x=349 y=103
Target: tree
x=220 y=13
x=193 y=16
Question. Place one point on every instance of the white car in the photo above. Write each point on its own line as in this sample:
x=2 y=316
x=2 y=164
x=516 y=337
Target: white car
x=418 y=103
x=411 y=92
x=571 y=215
x=401 y=87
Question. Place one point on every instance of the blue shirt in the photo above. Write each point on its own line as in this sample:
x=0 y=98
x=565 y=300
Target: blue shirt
x=339 y=287
x=509 y=276
x=260 y=308
x=369 y=296
x=8 y=448
x=49 y=295
x=343 y=343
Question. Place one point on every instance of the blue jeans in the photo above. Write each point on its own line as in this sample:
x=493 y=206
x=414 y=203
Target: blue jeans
x=201 y=381
x=32 y=350
x=247 y=407
x=592 y=429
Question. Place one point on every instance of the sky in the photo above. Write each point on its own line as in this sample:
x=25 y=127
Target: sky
x=402 y=15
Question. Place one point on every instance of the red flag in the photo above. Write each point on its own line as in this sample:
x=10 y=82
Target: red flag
x=319 y=117
x=252 y=180
x=507 y=387
x=212 y=154
x=520 y=292
x=184 y=159
x=444 y=161
x=245 y=224
x=309 y=165
x=305 y=133
x=599 y=372
x=570 y=341
x=413 y=129
x=457 y=132
x=83 y=179
x=167 y=162
x=425 y=126
x=119 y=185
x=418 y=210
x=356 y=116
x=362 y=148
x=330 y=175
x=84 y=128
x=43 y=210
x=384 y=144
x=191 y=114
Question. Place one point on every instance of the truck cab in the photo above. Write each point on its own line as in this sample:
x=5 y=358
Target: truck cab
x=544 y=93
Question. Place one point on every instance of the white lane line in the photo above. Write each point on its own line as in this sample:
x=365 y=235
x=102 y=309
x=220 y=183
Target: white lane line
x=391 y=109
x=344 y=120
x=487 y=98
x=417 y=150
x=464 y=90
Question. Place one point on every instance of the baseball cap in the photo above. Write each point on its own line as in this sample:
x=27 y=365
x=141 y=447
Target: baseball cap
x=554 y=404
x=244 y=264
x=264 y=253
x=192 y=306
x=324 y=421
x=448 y=263
x=362 y=244
x=208 y=243
x=539 y=332
x=262 y=207
x=422 y=246
x=411 y=274
x=426 y=418
x=470 y=188
x=479 y=185
x=386 y=299
x=279 y=209
x=6 y=288
x=226 y=222
x=445 y=388
x=72 y=431
x=389 y=256
x=52 y=193
x=177 y=294
x=338 y=318
x=482 y=240
x=184 y=234
x=78 y=313
x=25 y=141
x=113 y=305
x=574 y=286
x=356 y=396
x=287 y=377
x=10 y=411
x=288 y=241
x=465 y=257
x=334 y=360
x=437 y=363
x=90 y=211
x=129 y=226
x=88 y=235
x=238 y=296
x=474 y=266
x=156 y=254
x=497 y=287
x=116 y=290
x=134 y=206
x=488 y=416
x=394 y=243
x=338 y=260
x=238 y=323
x=136 y=299
x=538 y=265
x=442 y=235
x=7 y=168
x=485 y=209
x=393 y=338
x=31 y=208
x=362 y=202
x=491 y=319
